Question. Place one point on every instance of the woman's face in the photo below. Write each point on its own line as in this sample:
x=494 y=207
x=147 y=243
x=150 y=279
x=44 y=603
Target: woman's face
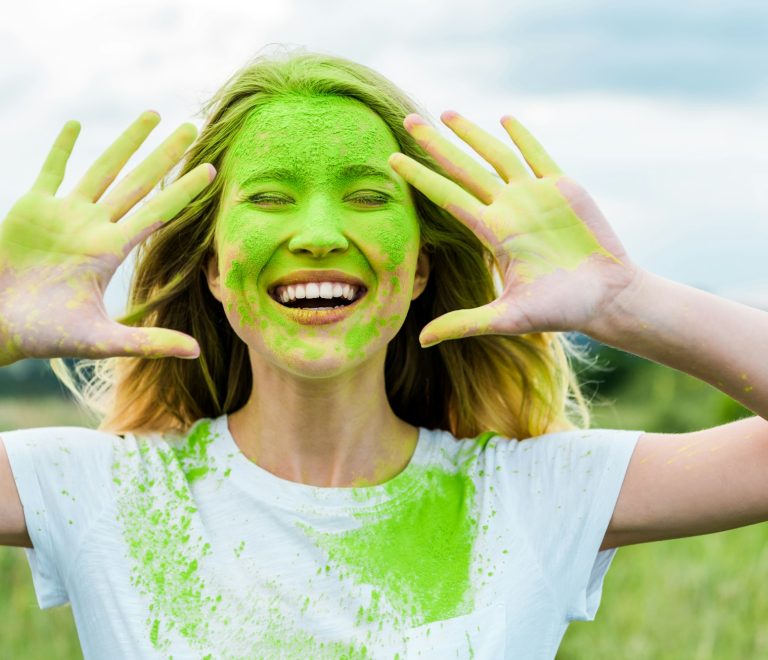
x=311 y=208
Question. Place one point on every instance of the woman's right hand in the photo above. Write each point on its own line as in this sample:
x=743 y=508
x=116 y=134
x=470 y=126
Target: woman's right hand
x=57 y=254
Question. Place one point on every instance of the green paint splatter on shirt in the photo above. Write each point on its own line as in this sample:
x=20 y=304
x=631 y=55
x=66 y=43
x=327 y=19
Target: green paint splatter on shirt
x=416 y=550
x=410 y=561
x=156 y=519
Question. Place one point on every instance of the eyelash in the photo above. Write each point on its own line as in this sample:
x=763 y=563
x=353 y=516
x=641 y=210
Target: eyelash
x=368 y=200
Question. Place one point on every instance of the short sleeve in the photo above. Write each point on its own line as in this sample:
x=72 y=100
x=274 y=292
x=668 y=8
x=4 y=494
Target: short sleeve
x=563 y=488
x=63 y=478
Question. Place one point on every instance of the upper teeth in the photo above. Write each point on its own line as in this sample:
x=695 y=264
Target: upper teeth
x=316 y=290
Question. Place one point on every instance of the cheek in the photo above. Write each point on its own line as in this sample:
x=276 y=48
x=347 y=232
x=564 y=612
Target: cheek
x=240 y=266
x=394 y=238
x=249 y=240
x=238 y=293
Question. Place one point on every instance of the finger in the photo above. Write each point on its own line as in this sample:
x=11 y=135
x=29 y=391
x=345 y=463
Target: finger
x=137 y=184
x=167 y=204
x=125 y=341
x=462 y=168
x=461 y=323
x=534 y=154
x=498 y=154
x=52 y=173
x=446 y=194
x=108 y=165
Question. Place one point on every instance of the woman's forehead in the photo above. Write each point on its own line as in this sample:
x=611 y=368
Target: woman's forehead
x=319 y=131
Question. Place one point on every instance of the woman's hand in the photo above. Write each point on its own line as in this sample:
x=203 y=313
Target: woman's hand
x=57 y=254
x=561 y=263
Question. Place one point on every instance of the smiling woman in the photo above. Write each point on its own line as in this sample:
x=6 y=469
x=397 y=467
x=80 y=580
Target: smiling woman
x=325 y=430
x=301 y=143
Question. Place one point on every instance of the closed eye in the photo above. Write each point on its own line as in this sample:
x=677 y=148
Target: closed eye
x=269 y=198
x=370 y=199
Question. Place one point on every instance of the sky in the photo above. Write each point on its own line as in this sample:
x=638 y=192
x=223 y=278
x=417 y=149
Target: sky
x=660 y=110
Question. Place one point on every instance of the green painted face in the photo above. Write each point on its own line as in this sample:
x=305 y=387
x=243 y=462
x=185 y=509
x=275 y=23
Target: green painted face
x=308 y=187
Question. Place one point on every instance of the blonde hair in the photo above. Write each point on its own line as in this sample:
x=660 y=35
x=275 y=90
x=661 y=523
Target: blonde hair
x=518 y=386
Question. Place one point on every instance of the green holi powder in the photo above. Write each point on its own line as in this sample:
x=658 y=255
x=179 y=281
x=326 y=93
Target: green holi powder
x=167 y=556
x=314 y=139
x=299 y=644
x=193 y=454
x=156 y=520
x=545 y=242
x=416 y=551
x=361 y=335
x=234 y=281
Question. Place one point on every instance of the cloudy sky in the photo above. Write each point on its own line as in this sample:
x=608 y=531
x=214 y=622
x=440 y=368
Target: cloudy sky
x=660 y=109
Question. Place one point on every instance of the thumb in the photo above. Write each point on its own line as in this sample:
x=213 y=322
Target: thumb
x=462 y=323
x=152 y=343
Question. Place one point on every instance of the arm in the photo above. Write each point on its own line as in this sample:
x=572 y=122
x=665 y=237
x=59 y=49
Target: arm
x=563 y=268
x=693 y=483
x=707 y=481
x=13 y=528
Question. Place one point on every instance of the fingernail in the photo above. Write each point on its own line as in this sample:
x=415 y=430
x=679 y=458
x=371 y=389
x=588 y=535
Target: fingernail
x=427 y=342
x=211 y=172
x=413 y=120
x=449 y=115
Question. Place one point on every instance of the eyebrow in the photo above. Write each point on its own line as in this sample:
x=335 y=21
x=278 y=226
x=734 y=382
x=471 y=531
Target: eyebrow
x=348 y=173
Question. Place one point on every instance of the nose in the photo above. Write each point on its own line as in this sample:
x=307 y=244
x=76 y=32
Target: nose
x=319 y=232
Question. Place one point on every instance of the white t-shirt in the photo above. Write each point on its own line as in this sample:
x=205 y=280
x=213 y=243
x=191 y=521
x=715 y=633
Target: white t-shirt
x=181 y=547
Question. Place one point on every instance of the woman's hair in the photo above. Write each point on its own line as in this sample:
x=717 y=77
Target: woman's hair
x=518 y=386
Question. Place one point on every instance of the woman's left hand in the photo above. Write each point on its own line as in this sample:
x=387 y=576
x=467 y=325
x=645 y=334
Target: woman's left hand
x=561 y=263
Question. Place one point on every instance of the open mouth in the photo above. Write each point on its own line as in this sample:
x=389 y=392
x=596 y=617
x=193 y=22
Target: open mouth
x=317 y=296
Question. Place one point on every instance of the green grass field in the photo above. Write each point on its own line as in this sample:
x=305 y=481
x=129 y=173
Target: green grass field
x=696 y=598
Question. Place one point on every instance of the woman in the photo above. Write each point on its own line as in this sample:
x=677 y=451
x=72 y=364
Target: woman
x=288 y=481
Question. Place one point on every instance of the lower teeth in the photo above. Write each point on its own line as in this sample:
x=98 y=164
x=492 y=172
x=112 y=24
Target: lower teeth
x=323 y=308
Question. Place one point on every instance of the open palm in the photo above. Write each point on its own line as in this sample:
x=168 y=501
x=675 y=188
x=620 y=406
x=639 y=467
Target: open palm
x=57 y=254
x=560 y=261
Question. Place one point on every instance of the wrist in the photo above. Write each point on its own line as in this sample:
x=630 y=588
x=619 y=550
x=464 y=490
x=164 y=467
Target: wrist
x=618 y=314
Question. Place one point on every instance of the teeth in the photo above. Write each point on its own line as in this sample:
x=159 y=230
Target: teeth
x=316 y=290
x=313 y=291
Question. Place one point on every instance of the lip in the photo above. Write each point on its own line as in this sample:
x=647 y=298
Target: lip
x=318 y=316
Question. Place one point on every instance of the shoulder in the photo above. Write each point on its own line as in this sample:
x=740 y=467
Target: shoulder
x=186 y=453
x=491 y=452
x=61 y=443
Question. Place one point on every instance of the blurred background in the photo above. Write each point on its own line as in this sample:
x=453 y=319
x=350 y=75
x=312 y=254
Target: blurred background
x=659 y=109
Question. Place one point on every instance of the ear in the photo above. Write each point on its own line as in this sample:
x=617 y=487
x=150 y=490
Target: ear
x=213 y=276
x=422 y=274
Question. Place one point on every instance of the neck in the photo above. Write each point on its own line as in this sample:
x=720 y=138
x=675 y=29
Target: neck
x=330 y=432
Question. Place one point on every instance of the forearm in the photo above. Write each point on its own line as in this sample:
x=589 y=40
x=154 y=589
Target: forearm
x=716 y=340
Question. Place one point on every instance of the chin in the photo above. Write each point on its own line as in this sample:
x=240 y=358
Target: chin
x=321 y=362
x=322 y=351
